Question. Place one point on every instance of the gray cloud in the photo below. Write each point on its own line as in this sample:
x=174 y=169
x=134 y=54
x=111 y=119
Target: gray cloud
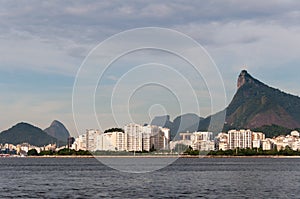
x=87 y=23
x=55 y=36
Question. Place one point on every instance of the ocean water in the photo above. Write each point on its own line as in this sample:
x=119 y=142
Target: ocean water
x=185 y=178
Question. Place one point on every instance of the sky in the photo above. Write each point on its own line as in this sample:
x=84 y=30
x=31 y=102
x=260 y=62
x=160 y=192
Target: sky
x=45 y=43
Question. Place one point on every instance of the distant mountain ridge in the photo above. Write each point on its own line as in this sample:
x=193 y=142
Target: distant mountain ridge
x=187 y=122
x=255 y=105
x=163 y=121
x=26 y=133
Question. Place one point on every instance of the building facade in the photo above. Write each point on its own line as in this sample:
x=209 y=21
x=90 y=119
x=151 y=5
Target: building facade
x=222 y=141
x=202 y=141
x=240 y=139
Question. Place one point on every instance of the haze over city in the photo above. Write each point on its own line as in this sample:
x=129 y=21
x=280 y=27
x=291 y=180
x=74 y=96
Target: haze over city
x=43 y=45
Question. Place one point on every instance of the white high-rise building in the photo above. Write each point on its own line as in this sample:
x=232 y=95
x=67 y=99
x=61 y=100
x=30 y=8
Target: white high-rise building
x=143 y=138
x=202 y=141
x=104 y=142
x=257 y=138
x=240 y=139
x=159 y=137
x=167 y=137
x=134 y=135
x=91 y=139
x=222 y=141
x=117 y=139
x=79 y=143
x=86 y=141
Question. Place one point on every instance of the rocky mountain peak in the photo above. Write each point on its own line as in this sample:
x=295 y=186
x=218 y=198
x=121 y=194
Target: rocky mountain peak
x=56 y=123
x=245 y=78
x=58 y=130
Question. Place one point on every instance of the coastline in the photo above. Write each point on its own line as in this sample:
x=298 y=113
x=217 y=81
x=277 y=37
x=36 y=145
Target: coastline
x=156 y=156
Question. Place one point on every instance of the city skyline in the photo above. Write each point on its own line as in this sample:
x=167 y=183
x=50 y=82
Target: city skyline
x=42 y=51
x=156 y=139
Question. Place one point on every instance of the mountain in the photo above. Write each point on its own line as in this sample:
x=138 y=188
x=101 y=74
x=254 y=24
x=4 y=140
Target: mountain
x=183 y=123
x=273 y=130
x=24 y=132
x=58 y=130
x=255 y=104
x=187 y=122
x=163 y=121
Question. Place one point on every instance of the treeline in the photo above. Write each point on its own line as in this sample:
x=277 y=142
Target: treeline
x=114 y=130
x=33 y=152
x=273 y=130
x=245 y=152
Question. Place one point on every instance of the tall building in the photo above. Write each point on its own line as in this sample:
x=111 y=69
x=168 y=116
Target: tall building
x=86 y=141
x=240 y=139
x=80 y=143
x=111 y=141
x=257 y=138
x=119 y=140
x=222 y=141
x=91 y=137
x=166 y=137
x=144 y=138
x=134 y=135
x=202 y=141
x=159 y=137
x=104 y=143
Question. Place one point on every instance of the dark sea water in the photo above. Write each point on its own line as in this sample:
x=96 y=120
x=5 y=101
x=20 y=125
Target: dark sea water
x=185 y=178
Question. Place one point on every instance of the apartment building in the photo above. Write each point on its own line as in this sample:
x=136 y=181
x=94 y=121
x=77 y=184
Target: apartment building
x=240 y=139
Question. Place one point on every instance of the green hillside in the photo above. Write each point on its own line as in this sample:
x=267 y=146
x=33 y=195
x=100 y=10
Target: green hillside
x=256 y=104
x=23 y=132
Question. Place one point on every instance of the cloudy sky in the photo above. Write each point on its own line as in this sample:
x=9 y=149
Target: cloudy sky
x=43 y=45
